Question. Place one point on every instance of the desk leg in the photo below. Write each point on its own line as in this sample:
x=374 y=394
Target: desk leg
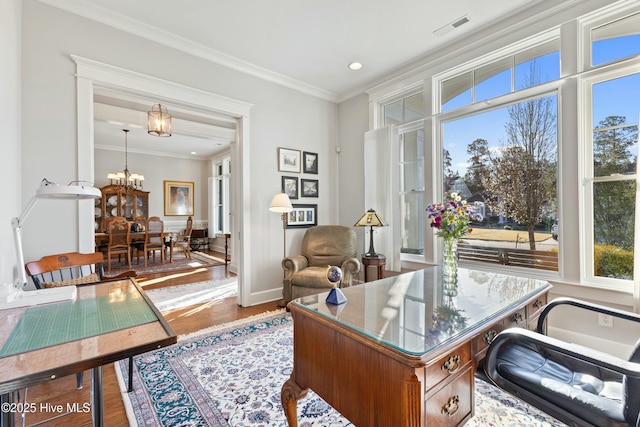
x=7 y=418
x=96 y=397
x=290 y=394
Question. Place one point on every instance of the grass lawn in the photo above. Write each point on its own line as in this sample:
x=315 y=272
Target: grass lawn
x=504 y=235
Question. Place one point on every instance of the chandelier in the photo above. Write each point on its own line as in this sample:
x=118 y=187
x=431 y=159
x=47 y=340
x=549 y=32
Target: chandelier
x=125 y=178
x=159 y=121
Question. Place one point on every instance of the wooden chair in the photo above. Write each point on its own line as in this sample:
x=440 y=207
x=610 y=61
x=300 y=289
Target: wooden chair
x=73 y=268
x=183 y=241
x=119 y=240
x=154 y=240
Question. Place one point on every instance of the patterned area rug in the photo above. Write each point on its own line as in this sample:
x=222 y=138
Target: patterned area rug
x=211 y=291
x=232 y=376
x=179 y=262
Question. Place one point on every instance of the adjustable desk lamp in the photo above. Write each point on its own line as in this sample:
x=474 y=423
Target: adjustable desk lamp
x=16 y=296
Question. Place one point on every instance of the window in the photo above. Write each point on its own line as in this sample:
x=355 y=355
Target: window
x=221 y=196
x=615 y=40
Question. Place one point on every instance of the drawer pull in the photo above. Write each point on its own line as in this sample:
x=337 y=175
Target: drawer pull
x=489 y=336
x=451 y=406
x=452 y=364
x=538 y=303
x=517 y=318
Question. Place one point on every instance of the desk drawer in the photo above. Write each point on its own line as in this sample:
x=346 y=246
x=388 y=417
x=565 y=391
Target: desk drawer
x=517 y=319
x=452 y=404
x=448 y=365
x=535 y=306
x=482 y=341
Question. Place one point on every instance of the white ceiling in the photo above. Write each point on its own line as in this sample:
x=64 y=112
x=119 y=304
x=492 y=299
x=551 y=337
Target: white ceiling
x=303 y=44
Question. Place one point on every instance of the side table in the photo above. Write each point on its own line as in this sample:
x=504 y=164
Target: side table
x=374 y=261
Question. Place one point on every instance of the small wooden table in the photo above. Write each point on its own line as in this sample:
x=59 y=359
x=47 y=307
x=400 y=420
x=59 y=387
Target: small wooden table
x=109 y=321
x=402 y=351
x=378 y=261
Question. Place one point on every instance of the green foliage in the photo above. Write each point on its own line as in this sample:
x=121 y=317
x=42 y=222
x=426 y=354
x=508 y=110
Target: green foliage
x=612 y=261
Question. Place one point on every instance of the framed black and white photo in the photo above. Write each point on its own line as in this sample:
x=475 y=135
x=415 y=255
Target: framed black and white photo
x=290 y=186
x=288 y=160
x=303 y=216
x=309 y=187
x=309 y=162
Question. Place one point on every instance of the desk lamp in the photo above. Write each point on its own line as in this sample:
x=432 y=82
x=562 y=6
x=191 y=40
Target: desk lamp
x=16 y=296
x=371 y=219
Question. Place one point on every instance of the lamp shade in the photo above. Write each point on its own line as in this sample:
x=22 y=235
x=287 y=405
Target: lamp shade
x=67 y=192
x=280 y=203
x=371 y=219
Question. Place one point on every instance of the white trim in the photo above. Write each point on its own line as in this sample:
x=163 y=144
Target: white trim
x=92 y=74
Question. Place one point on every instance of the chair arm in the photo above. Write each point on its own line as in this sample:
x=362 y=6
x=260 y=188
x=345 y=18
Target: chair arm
x=574 y=351
x=350 y=267
x=587 y=306
x=295 y=263
x=124 y=274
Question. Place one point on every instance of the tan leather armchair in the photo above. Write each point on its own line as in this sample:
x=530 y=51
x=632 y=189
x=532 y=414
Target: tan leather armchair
x=322 y=246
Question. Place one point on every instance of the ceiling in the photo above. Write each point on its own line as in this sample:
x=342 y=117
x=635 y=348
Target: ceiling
x=303 y=44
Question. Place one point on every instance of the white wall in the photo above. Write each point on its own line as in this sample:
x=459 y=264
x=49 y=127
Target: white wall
x=9 y=132
x=280 y=117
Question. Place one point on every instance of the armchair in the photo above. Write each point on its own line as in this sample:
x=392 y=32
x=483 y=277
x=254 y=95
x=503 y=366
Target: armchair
x=322 y=246
x=577 y=385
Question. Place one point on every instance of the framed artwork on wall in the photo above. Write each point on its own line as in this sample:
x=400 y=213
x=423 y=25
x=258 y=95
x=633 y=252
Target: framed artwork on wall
x=310 y=162
x=178 y=198
x=309 y=187
x=288 y=160
x=290 y=186
x=303 y=216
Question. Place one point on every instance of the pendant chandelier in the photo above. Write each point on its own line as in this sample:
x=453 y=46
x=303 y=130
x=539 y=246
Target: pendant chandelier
x=159 y=121
x=125 y=178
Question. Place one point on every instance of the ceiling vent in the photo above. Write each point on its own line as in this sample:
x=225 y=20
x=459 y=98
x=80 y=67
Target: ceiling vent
x=451 y=26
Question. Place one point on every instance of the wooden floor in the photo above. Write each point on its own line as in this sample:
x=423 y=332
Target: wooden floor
x=183 y=321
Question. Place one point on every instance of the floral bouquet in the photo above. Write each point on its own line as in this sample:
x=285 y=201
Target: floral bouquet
x=452 y=217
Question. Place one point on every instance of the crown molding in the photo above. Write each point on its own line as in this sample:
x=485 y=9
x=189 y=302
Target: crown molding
x=140 y=29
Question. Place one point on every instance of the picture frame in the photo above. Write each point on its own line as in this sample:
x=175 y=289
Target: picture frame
x=303 y=216
x=289 y=186
x=310 y=162
x=309 y=188
x=178 y=198
x=288 y=160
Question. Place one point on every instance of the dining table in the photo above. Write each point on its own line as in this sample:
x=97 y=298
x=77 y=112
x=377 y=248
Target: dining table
x=102 y=238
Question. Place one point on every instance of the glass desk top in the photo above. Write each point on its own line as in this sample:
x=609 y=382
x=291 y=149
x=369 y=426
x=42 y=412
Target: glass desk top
x=415 y=312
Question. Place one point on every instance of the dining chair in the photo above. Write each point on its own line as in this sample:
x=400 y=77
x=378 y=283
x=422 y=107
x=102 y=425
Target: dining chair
x=154 y=239
x=119 y=240
x=73 y=268
x=183 y=241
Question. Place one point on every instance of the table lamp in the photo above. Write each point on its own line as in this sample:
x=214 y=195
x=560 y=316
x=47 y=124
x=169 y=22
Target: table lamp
x=16 y=296
x=371 y=219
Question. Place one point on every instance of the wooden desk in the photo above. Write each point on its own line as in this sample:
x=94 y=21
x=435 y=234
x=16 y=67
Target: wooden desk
x=117 y=336
x=403 y=350
x=378 y=261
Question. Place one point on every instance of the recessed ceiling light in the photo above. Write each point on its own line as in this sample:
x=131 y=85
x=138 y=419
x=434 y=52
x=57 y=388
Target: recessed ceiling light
x=355 y=66
x=193 y=152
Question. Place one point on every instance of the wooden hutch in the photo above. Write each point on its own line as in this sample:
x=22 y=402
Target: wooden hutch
x=119 y=201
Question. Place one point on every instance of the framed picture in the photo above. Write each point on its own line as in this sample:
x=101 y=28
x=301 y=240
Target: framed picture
x=303 y=216
x=178 y=198
x=309 y=187
x=310 y=162
x=288 y=160
x=290 y=186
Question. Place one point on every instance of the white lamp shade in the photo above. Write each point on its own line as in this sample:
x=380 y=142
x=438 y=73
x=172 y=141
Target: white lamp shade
x=280 y=203
x=67 y=192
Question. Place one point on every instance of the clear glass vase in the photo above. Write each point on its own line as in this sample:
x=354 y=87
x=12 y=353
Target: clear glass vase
x=450 y=263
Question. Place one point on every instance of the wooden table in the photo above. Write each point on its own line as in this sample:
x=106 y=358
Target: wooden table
x=109 y=321
x=137 y=236
x=378 y=261
x=403 y=350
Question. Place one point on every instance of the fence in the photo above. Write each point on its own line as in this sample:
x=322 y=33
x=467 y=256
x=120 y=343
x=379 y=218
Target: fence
x=543 y=260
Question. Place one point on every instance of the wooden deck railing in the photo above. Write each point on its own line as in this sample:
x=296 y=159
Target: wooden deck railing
x=543 y=260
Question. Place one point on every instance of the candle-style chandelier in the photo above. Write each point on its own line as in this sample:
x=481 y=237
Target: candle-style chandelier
x=125 y=178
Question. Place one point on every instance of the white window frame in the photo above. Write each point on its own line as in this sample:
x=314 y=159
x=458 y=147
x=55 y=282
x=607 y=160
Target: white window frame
x=225 y=179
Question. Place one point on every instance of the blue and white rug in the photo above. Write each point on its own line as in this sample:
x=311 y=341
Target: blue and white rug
x=232 y=376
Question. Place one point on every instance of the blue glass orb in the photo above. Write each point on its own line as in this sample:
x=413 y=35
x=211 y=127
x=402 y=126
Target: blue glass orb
x=334 y=274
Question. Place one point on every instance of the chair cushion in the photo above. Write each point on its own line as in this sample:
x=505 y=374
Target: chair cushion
x=584 y=394
x=632 y=390
x=326 y=245
x=91 y=278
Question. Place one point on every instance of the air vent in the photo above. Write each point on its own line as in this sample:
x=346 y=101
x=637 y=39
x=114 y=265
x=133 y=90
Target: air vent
x=451 y=26
x=460 y=21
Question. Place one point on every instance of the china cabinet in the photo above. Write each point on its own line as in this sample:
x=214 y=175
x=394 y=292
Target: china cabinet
x=119 y=201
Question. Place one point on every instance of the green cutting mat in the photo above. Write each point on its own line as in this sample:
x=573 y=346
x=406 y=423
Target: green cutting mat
x=54 y=324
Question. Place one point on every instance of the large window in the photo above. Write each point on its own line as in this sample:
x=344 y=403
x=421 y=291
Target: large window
x=221 y=195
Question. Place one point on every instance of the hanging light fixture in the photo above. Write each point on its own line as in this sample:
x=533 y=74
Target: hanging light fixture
x=125 y=178
x=159 y=121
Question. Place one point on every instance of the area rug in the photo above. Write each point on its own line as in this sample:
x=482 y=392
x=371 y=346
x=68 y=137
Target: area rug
x=174 y=297
x=179 y=262
x=232 y=376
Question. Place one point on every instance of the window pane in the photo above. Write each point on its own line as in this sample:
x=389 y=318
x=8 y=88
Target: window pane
x=456 y=92
x=414 y=107
x=412 y=161
x=393 y=113
x=536 y=71
x=616 y=40
x=615 y=134
x=613 y=228
x=412 y=214
x=493 y=80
